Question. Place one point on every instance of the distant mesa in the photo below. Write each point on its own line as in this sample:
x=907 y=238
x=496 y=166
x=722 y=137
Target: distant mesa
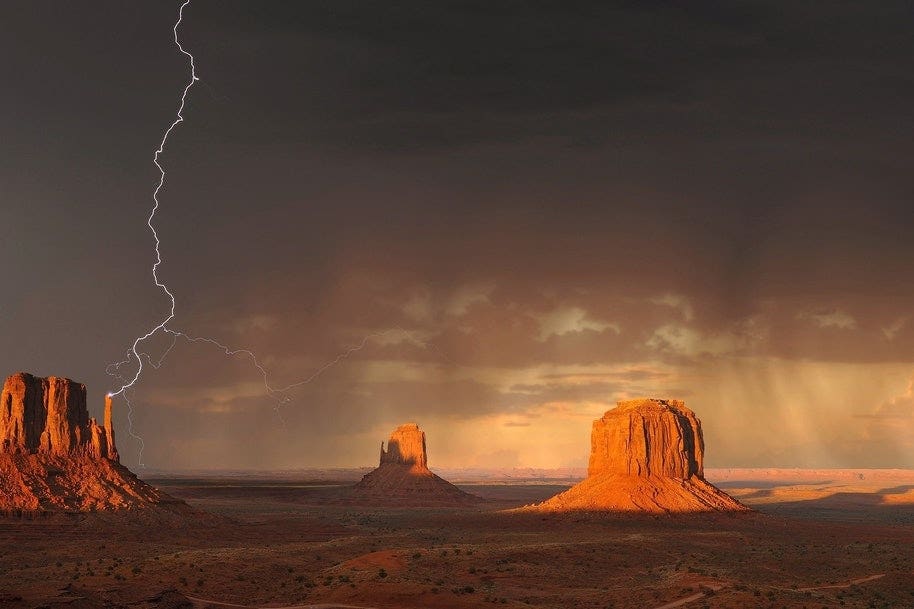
x=406 y=446
x=646 y=455
x=54 y=457
x=402 y=478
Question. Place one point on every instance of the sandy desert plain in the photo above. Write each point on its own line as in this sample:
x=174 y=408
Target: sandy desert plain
x=815 y=538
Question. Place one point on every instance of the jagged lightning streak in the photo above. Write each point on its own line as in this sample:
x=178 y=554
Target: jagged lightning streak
x=155 y=208
x=278 y=393
x=179 y=118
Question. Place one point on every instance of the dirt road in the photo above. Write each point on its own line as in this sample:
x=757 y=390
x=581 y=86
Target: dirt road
x=205 y=602
x=698 y=595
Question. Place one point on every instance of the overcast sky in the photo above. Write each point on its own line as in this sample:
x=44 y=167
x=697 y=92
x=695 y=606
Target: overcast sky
x=520 y=212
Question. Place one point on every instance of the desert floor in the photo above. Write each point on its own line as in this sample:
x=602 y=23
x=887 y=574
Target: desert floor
x=816 y=539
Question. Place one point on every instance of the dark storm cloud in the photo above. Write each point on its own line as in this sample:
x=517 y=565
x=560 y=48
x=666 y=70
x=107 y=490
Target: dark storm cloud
x=535 y=192
x=430 y=75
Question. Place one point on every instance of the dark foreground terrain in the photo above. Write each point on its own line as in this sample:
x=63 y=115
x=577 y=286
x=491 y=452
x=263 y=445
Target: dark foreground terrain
x=819 y=539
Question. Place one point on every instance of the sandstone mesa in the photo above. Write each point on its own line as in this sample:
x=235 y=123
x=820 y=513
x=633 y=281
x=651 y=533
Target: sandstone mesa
x=48 y=416
x=54 y=457
x=646 y=455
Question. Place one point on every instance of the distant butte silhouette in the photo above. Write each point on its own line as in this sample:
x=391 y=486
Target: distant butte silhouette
x=402 y=477
x=646 y=455
x=53 y=457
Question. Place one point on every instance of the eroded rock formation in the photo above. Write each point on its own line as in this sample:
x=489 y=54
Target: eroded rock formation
x=647 y=437
x=646 y=455
x=49 y=416
x=53 y=456
x=406 y=446
x=403 y=477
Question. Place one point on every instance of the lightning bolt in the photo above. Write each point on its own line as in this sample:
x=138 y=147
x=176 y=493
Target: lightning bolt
x=279 y=394
x=179 y=118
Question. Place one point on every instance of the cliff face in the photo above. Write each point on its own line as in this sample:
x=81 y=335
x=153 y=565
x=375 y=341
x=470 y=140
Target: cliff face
x=406 y=447
x=648 y=437
x=646 y=455
x=49 y=416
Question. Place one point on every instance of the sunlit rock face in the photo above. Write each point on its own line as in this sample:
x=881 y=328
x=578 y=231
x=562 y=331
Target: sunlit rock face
x=646 y=455
x=54 y=457
x=648 y=437
x=403 y=478
x=406 y=446
x=49 y=416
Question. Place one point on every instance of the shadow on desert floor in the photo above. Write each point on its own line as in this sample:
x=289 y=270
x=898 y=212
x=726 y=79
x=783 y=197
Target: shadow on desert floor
x=889 y=505
x=765 y=484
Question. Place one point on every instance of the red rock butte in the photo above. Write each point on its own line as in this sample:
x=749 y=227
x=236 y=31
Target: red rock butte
x=646 y=455
x=403 y=478
x=49 y=416
x=54 y=457
x=406 y=446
